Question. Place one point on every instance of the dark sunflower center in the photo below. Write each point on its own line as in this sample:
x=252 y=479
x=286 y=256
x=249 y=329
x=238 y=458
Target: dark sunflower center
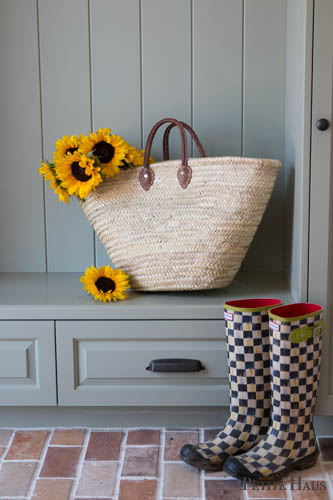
x=103 y=151
x=71 y=150
x=79 y=172
x=105 y=284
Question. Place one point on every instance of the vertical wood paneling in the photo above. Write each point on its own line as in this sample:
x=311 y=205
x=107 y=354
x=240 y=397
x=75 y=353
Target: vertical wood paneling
x=116 y=92
x=217 y=75
x=297 y=145
x=22 y=246
x=264 y=105
x=166 y=66
x=139 y=49
x=64 y=41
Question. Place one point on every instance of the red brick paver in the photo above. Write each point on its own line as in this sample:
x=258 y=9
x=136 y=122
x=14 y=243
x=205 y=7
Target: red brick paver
x=316 y=491
x=69 y=437
x=60 y=462
x=15 y=478
x=273 y=490
x=143 y=437
x=141 y=464
x=228 y=489
x=181 y=480
x=175 y=440
x=104 y=446
x=52 y=489
x=97 y=478
x=140 y=490
x=26 y=445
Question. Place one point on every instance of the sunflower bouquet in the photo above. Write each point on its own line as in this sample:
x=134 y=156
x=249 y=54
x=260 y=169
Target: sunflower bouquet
x=81 y=163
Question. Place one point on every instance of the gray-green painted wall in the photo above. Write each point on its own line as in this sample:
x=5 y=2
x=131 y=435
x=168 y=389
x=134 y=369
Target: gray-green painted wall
x=69 y=67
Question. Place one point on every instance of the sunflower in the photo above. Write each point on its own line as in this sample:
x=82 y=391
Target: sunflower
x=49 y=174
x=48 y=170
x=105 y=283
x=78 y=174
x=66 y=145
x=109 y=149
x=135 y=158
x=62 y=194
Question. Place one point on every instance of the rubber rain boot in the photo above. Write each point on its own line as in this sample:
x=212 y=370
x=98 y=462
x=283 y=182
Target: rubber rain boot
x=247 y=335
x=295 y=348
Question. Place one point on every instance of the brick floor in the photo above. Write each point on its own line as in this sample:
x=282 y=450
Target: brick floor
x=133 y=464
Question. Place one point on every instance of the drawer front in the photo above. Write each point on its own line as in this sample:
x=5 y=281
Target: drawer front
x=105 y=363
x=27 y=363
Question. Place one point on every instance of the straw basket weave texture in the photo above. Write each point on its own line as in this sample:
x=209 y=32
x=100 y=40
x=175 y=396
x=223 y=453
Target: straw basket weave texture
x=169 y=238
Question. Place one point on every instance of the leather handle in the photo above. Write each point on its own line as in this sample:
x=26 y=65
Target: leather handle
x=193 y=134
x=184 y=174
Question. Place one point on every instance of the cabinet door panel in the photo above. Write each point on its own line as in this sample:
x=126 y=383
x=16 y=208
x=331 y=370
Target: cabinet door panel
x=321 y=198
x=27 y=363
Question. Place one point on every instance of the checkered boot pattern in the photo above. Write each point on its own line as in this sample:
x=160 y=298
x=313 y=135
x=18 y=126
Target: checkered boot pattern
x=290 y=443
x=247 y=335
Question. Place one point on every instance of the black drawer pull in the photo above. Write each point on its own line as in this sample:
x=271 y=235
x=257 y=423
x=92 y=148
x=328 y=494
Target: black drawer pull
x=175 y=365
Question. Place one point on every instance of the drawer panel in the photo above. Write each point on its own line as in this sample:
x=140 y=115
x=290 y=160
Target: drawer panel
x=104 y=363
x=27 y=363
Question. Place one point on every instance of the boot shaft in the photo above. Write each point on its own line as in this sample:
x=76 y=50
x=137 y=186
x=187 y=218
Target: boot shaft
x=247 y=333
x=296 y=345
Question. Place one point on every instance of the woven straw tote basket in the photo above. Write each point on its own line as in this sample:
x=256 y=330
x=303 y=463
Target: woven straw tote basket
x=183 y=224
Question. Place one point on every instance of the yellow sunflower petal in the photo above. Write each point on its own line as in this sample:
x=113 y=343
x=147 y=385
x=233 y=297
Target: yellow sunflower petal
x=105 y=284
x=109 y=149
x=78 y=174
x=65 y=145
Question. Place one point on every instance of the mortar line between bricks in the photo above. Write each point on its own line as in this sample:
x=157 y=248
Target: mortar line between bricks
x=246 y=495
x=160 y=467
x=95 y=496
x=138 y=478
x=218 y=478
x=40 y=464
x=143 y=445
x=288 y=492
x=121 y=459
x=20 y=498
x=79 y=465
x=202 y=472
x=65 y=445
x=24 y=460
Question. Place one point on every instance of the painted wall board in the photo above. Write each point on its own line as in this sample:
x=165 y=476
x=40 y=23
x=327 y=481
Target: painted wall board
x=22 y=246
x=166 y=66
x=297 y=144
x=115 y=74
x=217 y=75
x=214 y=63
x=65 y=81
x=263 y=116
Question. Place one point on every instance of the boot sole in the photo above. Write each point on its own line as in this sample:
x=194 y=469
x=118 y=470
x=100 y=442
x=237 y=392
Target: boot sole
x=302 y=464
x=208 y=466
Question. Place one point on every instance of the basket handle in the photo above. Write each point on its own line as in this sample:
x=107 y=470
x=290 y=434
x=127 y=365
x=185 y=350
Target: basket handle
x=184 y=174
x=193 y=134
